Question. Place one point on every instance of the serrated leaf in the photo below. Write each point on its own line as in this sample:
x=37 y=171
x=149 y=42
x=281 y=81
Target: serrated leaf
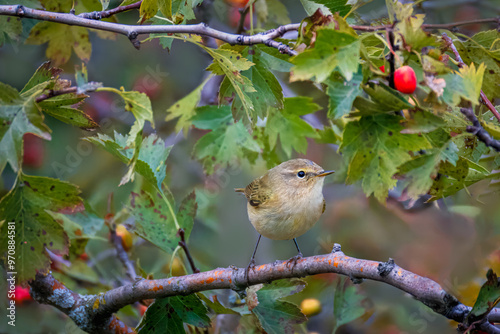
x=182 y=10
x=456 y=178
x=35 y=229
x=347 y=304
x=62 y=40
x=19 y=115
x=342 y=94
x=275 y=315
x=291 y=129
x=332 y=49
x=156 y=221
x=139 y=105
x=421 y=171
x=148 y=9
x=215 y=305
x=167 y=315
x=422 y=121
x=149 y=162
x=58 y=107
x=268 y=92
x=466 y=84
x=374 y=148
x=335 y=6
x=164 y=39
x=185 y=109
x=42 y=74
x=211 y=117
x=383 y=99
x=224 y=145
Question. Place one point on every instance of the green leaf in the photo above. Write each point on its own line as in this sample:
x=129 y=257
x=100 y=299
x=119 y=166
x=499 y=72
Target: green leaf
x=455 y=178
x=35 y=230
x=374 y=148
x=215 y=305
x=139 y=105
x=464 y=84
x=347 y=304
x=149 y=162
x=211 y=117
x=167 y=315
x=185 y=109
x=57 y=107
x=62 y=40
x=164 y=39
x=19 y=115
x=42 y=74
x=342 y=94
x=182 y=10
x=10 y=29
x=230 y=63
x=291 y=129
x=422 y=121
x=488 y=297
x=105 y=4
x=156 y=221
x=334 y=6
x=274 y=314
x=148 y=9
x=383 y=99
x=224 y=145
x=332 y=49
x=421 y=171
x=268 y=92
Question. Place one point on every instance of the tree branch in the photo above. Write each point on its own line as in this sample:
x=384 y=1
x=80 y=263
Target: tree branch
x=45 y=289
x=477 y=129
x=184 y=246
x=423 y=289
x=132 y=31
x=430 y=26
x=484 y=100
x=107 y=13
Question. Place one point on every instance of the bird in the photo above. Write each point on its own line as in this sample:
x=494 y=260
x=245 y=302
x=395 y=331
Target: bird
x=286 y=202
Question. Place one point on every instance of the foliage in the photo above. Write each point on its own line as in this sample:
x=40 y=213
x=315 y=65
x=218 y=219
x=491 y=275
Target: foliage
x=268 y=107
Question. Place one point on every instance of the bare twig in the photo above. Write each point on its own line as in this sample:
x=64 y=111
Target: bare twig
x=477 y=129
x=461 y=63
x=430 y=26
x=107 y=13
x=133 y=31
x=241 y=24
x=184 y=246
x=117 y=241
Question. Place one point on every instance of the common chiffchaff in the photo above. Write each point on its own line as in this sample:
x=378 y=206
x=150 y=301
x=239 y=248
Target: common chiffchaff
x=287 y=201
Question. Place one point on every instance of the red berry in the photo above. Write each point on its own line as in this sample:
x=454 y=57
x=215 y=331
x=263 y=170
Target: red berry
x=34 y=150
x=382 y=68
x=405 y=80
x=22 y=294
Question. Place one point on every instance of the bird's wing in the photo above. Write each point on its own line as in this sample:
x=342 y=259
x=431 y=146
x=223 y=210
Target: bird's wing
x=257 y=193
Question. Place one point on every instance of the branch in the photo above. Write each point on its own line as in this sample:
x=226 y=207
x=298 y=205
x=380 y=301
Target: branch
x=46 y=289
x=484 y=100
x=132 y=31
x=107 y=13
x=477 y=129
x=430 y=26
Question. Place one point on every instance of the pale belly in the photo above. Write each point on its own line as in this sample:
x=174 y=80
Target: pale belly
x=279 y=226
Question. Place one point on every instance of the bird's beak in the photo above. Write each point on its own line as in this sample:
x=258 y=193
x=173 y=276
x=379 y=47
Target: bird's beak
x=325 y=173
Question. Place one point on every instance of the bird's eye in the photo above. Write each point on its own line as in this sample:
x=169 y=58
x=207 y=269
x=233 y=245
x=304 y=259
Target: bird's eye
x=301 y=174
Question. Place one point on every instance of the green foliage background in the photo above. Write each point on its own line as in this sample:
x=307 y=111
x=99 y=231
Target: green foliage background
x=185 y=121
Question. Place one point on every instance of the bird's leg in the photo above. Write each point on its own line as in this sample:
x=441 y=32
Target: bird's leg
x=252 y=260
x=298 y=256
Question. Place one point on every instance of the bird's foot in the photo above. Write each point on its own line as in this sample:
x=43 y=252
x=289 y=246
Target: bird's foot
x=251 y=265
x=294 y=260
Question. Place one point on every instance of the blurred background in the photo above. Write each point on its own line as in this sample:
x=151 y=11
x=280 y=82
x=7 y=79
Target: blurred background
x=453 y=241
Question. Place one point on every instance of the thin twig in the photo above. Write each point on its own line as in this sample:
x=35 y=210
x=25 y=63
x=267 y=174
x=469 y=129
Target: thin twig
x=484 y=99
x=107 y=13
x=429 y=26
x=477 y=129
x=184 y=246
x=117 y=241
x=241 y=24
x=133 y=31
